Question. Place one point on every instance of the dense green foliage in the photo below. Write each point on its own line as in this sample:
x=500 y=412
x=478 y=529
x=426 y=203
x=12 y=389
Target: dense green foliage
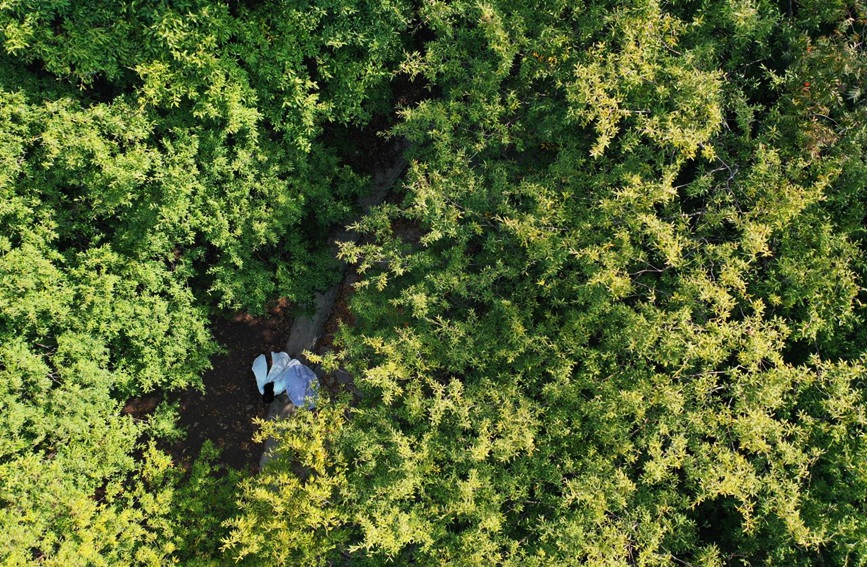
x=629 y=331
x=616 y=320
x=158 y=161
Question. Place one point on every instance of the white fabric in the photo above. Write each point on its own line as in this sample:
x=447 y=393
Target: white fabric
x=290 y=376
x=279 y=362
x=260 y=367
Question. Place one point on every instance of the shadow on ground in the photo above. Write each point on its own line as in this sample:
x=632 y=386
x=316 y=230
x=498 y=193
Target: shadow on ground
x=225 y=413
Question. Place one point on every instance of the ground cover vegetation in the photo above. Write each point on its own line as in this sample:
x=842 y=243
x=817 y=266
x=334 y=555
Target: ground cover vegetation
x=624 y=326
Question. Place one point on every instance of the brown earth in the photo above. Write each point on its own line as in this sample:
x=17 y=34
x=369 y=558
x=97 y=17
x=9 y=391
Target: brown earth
x=225 y=412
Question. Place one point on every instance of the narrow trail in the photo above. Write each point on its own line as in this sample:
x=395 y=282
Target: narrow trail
x=306 y=331
x=224 y=414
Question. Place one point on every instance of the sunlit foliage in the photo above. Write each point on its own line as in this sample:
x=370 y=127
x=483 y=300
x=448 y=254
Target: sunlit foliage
x=629 y=332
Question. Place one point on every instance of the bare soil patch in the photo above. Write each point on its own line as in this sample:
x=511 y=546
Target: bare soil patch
x=225 y=412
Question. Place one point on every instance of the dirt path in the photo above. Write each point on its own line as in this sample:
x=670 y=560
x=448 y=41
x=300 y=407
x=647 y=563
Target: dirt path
x=307 y=332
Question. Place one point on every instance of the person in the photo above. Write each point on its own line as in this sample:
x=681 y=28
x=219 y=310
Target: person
x=286 y=375
x=268 y=393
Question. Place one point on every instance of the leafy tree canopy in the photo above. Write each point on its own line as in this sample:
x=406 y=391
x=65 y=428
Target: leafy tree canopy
x=628 y=332
x=616 y=318
x=159 y=162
